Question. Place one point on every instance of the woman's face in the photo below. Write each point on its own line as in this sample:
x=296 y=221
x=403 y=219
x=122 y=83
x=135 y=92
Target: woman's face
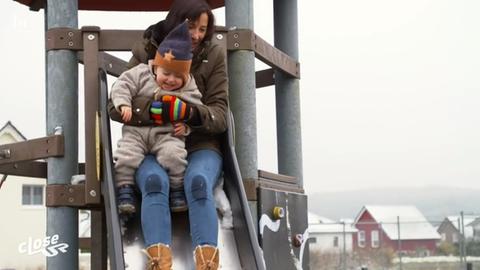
x=198 y=29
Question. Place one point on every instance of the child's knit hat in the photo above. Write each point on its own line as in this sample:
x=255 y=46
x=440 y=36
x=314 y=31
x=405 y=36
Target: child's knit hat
x=175 y=51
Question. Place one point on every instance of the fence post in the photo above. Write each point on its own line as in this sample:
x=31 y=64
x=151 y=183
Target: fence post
x=399 y=244
x=344 y=255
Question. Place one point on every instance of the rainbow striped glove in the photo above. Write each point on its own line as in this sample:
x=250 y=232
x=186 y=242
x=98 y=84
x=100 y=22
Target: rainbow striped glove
x=169 y=109
x=156 y=112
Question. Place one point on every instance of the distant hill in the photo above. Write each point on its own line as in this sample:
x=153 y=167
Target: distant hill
x=434 y=202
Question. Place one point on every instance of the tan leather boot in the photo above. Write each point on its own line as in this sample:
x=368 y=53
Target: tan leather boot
x=206 y=258
x=159 y=257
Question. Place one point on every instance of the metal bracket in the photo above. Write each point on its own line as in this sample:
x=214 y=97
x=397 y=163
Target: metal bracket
x=65 y=195
x=51 y=146
x=5 y=154
x=62 y=38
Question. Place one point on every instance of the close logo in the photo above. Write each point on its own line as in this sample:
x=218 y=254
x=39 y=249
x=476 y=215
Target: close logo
x=49 y=246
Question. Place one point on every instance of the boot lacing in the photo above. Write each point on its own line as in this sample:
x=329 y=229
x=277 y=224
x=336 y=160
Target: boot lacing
x=153 y=262
x=210 y=264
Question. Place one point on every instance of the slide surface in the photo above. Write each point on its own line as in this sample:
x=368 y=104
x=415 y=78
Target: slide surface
x=239 y=248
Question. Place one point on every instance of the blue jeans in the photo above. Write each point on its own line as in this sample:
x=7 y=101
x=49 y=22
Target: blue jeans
x=203 y=169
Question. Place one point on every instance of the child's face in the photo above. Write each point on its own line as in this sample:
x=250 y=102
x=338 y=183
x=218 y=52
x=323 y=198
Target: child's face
x=168 y=80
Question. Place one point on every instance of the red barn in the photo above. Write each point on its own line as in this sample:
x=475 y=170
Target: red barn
x=396 y=227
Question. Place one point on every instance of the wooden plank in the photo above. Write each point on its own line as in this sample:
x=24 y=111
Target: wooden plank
x=115 y=5
x=91 y=47
x=277 y=177
x=51 y=146
x=36 y=169
x=246 y=39
x=264 y=78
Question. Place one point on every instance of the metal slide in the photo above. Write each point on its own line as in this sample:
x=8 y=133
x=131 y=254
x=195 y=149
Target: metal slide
x=114 y=237
x=239 y=247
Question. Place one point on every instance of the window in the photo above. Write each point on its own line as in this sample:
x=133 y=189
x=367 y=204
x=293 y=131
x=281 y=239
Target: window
x=312 y=240
x=361 y=238
x=335 y=241
x=32 y=195
x=375 y=239
x=444 y=236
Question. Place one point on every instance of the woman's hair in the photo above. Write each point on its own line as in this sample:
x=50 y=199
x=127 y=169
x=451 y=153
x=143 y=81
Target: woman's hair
x=178 y=13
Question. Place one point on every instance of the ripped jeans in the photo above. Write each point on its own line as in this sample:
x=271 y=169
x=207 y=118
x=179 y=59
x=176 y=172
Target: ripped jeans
x=201 y=175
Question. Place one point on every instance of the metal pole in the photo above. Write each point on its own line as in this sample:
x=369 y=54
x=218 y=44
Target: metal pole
x=289 y=135
x=380 y=235
x=344 y=257
x=460 y=242
x=464 y=251
x=62 y=117
x=241 y=64
x=399 y=244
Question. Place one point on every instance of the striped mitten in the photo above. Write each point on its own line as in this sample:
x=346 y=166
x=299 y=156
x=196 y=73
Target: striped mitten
x=174 y=109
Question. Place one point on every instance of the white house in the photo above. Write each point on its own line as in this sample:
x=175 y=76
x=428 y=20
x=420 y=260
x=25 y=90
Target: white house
x=450 y=230
x=23 y=221
x=22 y=201
x=328 y=235
x=467 y=224
x=476 y=229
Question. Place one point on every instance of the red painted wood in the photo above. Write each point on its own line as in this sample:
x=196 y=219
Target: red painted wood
x=127 y=5
x=368 y=224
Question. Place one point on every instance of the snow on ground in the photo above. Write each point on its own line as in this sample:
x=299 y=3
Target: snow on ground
x=435 y=259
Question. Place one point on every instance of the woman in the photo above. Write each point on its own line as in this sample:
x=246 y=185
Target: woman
x=207 y=121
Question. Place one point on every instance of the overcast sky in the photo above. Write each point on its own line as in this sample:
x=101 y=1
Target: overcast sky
x=389 y=90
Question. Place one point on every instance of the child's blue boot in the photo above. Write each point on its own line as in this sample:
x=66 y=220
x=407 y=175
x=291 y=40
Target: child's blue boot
x=126 y=200
x=178 y=202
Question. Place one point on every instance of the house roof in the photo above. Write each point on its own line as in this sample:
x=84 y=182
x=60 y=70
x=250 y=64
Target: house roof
x=316 y=219
x=114 y=5
x=318 y=224
x=475 y=222
x=334 y=227
x=10 y=129
x=467 y=220
x=413 y=225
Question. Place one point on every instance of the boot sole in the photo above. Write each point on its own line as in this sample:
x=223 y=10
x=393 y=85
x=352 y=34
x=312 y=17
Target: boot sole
x=182 y=208
x=126 y=209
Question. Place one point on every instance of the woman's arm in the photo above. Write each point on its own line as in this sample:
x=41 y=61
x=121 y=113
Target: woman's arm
x=210 y=117
x=139 y=53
